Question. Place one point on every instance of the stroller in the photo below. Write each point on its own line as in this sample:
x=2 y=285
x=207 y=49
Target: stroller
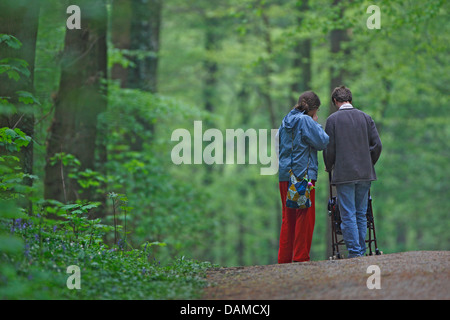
x=336 y=233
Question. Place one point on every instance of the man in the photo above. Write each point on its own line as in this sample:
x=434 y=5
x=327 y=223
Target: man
x=351 y=154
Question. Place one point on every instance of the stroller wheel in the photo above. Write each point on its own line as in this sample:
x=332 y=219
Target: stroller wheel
x=378 y=252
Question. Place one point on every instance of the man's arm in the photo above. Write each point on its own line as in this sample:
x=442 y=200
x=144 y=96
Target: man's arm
x=329 y=154
x=374 y=142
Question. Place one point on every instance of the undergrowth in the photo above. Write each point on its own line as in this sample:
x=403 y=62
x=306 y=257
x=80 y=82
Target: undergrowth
x=51 y=250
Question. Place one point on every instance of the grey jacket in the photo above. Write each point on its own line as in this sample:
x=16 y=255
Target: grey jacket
x=354 y=146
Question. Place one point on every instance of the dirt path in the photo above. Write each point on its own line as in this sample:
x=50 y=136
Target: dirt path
x=409 y=275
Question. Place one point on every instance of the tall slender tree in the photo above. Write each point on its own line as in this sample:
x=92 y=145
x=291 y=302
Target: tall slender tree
x=79 y=101
x=136 y=28
x=338 y=37
x=267 y=67
x=302 y=59
x=145 y=31
x=120 y=37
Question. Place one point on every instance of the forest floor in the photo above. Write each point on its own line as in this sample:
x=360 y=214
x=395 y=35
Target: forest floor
x=416 y=275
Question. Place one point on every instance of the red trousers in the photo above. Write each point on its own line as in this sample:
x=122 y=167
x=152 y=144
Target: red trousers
x=297 y=228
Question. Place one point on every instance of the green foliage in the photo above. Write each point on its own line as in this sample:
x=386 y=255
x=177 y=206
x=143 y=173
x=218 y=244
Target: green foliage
x=13 y=139
x=145 y=176
x=11 y=174
x=27 y=98
x=36 y=248
x=10 y=40
x=238 y=56
x=14 y=67
x=36 y=253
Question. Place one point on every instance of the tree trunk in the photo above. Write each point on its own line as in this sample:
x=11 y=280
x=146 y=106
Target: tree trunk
x=267 y=88
x=210 y=65
x=79 y=101
x=120 y=36
x=267 y=98
x=302 y=60
x=337 y=37
x=136 y=27
x=210 y=68
x=145 y=31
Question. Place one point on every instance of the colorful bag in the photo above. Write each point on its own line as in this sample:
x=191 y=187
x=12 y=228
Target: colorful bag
x=299 y=190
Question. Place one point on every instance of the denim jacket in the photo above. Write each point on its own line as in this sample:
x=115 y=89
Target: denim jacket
x=309 y=137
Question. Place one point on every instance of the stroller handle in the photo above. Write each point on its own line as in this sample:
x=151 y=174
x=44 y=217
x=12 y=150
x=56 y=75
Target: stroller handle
x=329 y=184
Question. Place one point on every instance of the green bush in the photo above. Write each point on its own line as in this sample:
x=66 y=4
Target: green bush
x=37 y=247
x=36 y=252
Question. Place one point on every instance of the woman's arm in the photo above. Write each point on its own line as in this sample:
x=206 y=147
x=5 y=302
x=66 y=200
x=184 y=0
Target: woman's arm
x=314 y=135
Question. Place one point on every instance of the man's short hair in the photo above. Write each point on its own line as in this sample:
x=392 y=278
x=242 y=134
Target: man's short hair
x=341 y=94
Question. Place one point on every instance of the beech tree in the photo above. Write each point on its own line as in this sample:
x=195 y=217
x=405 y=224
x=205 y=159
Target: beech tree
x=79 y=101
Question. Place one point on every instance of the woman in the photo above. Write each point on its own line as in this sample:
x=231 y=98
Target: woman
x=301 y=136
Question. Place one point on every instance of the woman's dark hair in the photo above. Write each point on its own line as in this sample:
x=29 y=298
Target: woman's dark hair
x=341 y=94
x=308 y=101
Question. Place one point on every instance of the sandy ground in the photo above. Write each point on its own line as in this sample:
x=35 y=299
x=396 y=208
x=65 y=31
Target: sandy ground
x=416 y=275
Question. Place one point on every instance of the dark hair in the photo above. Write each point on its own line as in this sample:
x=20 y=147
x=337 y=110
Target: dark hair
x=341 y=94
x=308 y=101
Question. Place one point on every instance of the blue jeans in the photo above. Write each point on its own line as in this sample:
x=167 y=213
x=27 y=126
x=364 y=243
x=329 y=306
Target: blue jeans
x=352 y=201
